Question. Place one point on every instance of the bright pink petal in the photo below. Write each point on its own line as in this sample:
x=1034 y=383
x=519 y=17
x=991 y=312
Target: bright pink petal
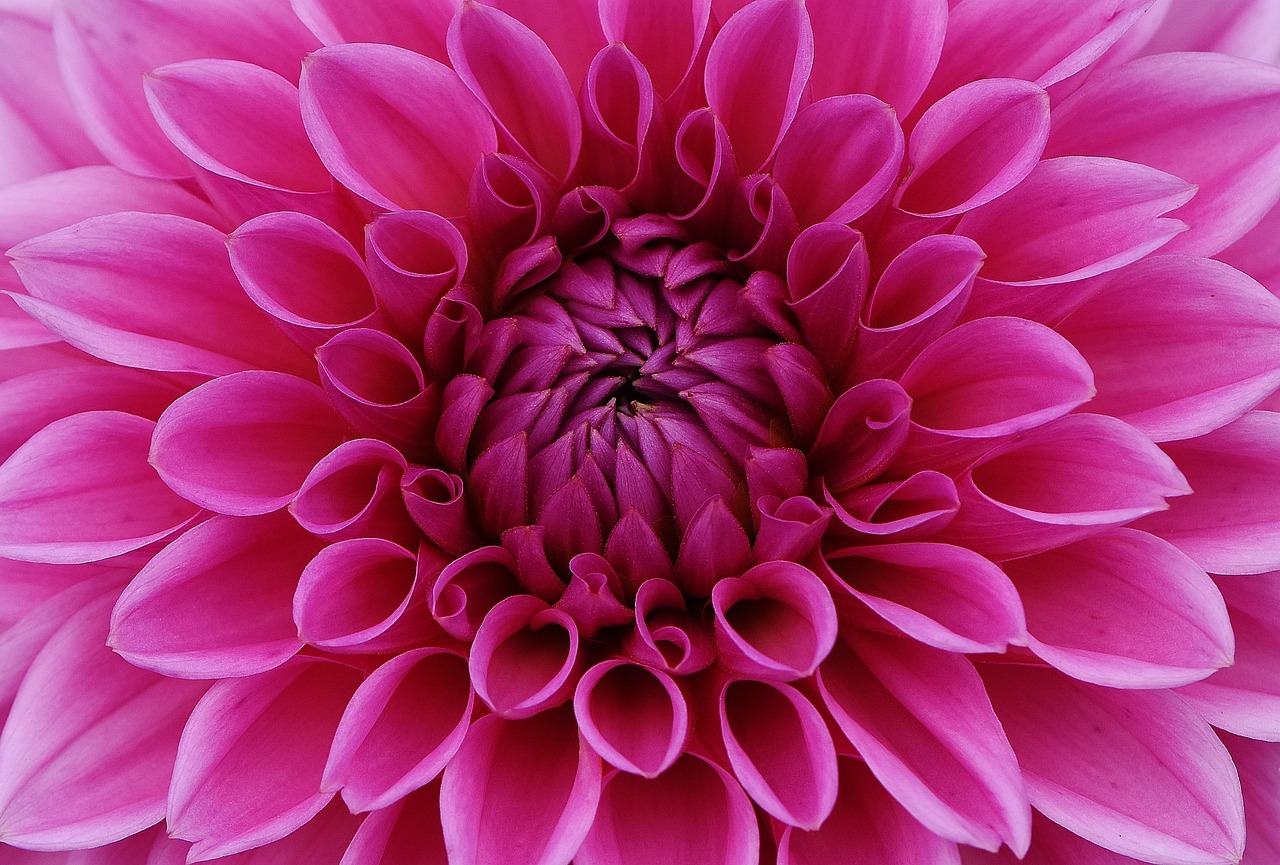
x=419 y=25
x=1254 y=253
x=520 y=791
x=406 y=833
x=414 y=260
x=353 y=592
x=355 y=492
x=571 y=29
x=633 y=716
x=664 y=36
x=244 y=444
x=524 y=657
x=1259 y=767
x=395 y=127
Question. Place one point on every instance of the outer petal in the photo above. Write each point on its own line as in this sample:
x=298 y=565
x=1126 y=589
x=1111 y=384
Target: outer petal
x=1210 y=119
x=665 y=36
x=406 y=833
x=81 y=491
x=1133 y=771
x=87 y=752
x=1241 y=28
x=1259 y=766
x=419 y=25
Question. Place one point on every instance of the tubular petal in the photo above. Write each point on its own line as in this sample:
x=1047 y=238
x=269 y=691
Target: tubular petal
x=635 y=717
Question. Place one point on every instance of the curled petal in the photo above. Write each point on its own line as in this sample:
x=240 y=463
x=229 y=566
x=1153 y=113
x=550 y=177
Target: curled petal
x=665 y=36
x=469 y=587
x=525 y=657
x=909 y=509
x=633 y=716
x=666 y=635
x=353 y=592
x=862 y=433
x=827 y=276
x=414 y=259
x=436 y=501
x=355 y=492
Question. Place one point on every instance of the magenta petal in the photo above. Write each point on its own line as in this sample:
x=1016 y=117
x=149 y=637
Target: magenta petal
x=355 y=492
x=921 y=720
x=520 y=791
x=217 y=602
x=1241 y=28
x=395 y=127
x=1253 y=254
x=780 y=750
x=756 y=73
x=414 y=260
x=87 y=776
x=469 y=587
x=250 y=762
x=80 y=490
x=571 y=29
x=353 y=591
x=1133 y=771
x=1209 y=119
x=404 y=724
x=634 y=717
x=244 y=444
x=693 y=812
x=861 y=434
x=406 y=833
x=419 y=25
x=912 y=508
x=665 y=36
x=525 y=657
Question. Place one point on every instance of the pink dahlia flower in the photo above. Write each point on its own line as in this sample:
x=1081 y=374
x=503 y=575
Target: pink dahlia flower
x=644 y=432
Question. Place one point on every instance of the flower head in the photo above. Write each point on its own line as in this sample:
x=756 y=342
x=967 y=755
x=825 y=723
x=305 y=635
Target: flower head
x=669 y=432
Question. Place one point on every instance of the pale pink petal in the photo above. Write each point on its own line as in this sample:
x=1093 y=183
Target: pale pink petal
x=1136 y=772
x=520 y=791
x=244 y=444
x=1209 y=119
x=419 y=25
x=1241 y=28
x=525 y=657
x=693 y=812
x=89 y=746
x=920 y=719
x=80 y=490
x=251 y=757
x=217 y=602
x=406 y=833
x=353 y=592
x=395 y=127
x=634 y=717
x=1254 y=253
x=664 y=36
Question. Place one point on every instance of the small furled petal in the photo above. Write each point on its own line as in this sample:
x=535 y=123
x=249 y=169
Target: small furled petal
x=1241 y=28
x=414 y=259
x=525 y=657
x=150 y=291
x=352 y=592
x=404 y=724
x=244 y=444
x=693 y=812
x=1232 y=523
x=105 y=46
x=912 y=508
x=974 y=145
x=756 y=74
x=861 y=149
x=406 y=833
x=867 y=826
x=355 y=492
x=80 y=490
x=89 y=746
x=862 y=433
x=238 y=121
x=217 y=602
x=665 y=36
x=1076 y=217
x=1067 y=480
x=920 y=719
x=1210 y=119
x=635 y=717
x=518 y=79
x=1132 y=612
x=251 y=757
x=780 y=749
x=419 y=25
x=1136 y=772
x=395 y=127
x=888 y=50
x=520 y=791
x=469 y=587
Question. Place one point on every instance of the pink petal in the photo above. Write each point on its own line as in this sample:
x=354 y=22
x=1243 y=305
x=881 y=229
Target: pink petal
x=867 y=826
x=320 y=842
x=1232 y=522
x=973 y=146
x=912 y=508
x=1132 y=771
x=920 y=719
x=414 y=260
x=520 y=791
x=519 y=80
x=1241 y=28
x=693 y=812
x=665 y=36
x=888 y=50
x=756 y=73
x=245 y=443
x=88 y=749
x=354 y=492
x=861 y=145
x=469 y=587
x=403 y=726
x=1253 y=253
x=633 y=716
x=105 y=46
x=80 y=490
x=571 y=29
x=437 y=502
x=149 y=291
x=394 y=127
x=419 y=25
x=1259 y=767
x=525 y=657
x=353 y=592
x=1138 y=613
x=1180 y=345
x=24 y=586
x=780 y=750
x=406 y=833
x=1075 y=217
x=251 y=757
x=874 y=416
x=217 y=602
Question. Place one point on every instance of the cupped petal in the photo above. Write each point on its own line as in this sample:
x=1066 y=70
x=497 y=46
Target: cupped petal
x=395 y=127
x=1137 y=772
x=520 y=791
x=693 y=812
x=353 y=591
x=354 y=492
x=469 y=587
x=216 y=602
x=414 y=259
x=80 y=490
x=526 y=657
x=251 y=757
x=150 y=291
x=88 y=749
x=665 y=36
x=1210 y=119
x=1074 y=217
x=861 y=434
x=419 y=25
x=635 y=717
x=910 y=509
x=921 y=720
x=245 y=443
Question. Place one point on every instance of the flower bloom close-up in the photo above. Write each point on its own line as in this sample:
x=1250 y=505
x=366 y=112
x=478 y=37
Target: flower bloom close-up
x=640 y=432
